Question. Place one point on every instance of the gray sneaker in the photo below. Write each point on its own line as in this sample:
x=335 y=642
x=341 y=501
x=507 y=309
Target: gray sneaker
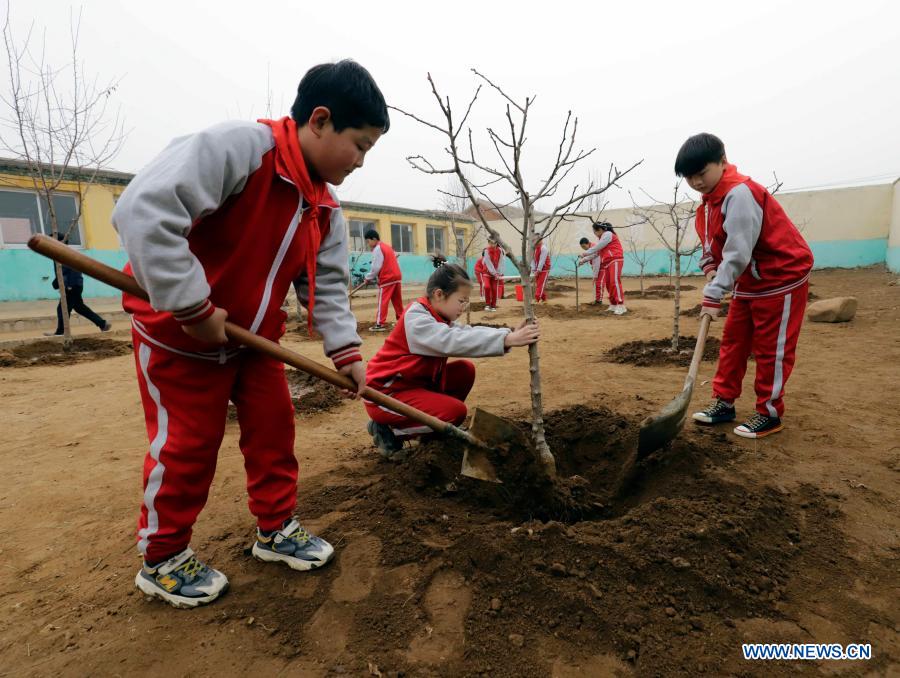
x=182 y=581
x=387 y=443
x=293 y=546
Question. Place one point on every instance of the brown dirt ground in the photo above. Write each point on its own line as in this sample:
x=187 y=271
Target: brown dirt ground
x=55 y=353
x=646 y=353
x=719 y=541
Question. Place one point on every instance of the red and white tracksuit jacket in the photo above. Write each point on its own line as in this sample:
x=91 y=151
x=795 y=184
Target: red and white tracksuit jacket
x=479 y=274
x=493 y=274
x=540 y=269
x=215 y=220
x=412 y=366
x=608 y=252
x=759 y=255
x=386 y=270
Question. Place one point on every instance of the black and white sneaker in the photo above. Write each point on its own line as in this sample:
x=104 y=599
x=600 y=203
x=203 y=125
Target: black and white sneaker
x=759 y=426
x=293 y=546
x=378 y=328
x=718 y=412
x=182 y=581
x=387 y=443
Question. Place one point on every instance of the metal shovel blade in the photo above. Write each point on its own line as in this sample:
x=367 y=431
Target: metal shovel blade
x=494 y=431
x=660 y=429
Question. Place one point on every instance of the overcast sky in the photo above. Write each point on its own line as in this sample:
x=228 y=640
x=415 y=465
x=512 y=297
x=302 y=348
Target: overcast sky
x=808 y=89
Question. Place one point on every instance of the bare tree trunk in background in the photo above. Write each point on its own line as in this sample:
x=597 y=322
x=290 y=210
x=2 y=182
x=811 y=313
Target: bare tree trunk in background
x=60 y=127
x=508 y=147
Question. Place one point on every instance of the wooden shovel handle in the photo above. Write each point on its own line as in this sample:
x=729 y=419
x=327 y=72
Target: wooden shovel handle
x=702 y=331
x=57 y=251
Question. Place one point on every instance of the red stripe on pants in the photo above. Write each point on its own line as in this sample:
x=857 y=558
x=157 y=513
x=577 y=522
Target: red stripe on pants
x=448 y=405
x=769 y=328
x=390 y=293
x=540 y=283
x=185 y=405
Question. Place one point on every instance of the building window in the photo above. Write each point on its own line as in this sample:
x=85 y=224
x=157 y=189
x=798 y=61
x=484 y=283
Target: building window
x=401 y=237
x=460 y=241
x=357 y=234
x=434 y=237
x=25 y=213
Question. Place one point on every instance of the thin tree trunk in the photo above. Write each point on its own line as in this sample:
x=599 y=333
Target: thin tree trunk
x=60 y=279
x=577 y=291
x=534 y=368
x=675 y=328
x=64 y=304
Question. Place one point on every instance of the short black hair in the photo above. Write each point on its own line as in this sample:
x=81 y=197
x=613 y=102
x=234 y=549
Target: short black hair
x=447 y=278
x=584 y=241
x=347 y=90
x=603 y=226
x=698 y=151
x=371 y=234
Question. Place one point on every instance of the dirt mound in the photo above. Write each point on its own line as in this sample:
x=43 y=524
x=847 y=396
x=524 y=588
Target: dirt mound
x=494 y=325
x=309 y=395
x=476 y=306
x=669 y=288
x=55 y=353
x=694 y=311
x=558 y=287
x=659 y=352
x=560 y=312
x=446 y=573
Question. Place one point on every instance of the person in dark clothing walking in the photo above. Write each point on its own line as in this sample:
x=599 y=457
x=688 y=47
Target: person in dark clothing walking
x=74 y=283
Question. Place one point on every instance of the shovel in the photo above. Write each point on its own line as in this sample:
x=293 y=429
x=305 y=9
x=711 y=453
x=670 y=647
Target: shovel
x=660 y=429
x=476 y=464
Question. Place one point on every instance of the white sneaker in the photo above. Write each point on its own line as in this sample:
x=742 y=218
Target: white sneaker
x=182 y=581
x=298 y=548
x=620 y=310
x=611 y=308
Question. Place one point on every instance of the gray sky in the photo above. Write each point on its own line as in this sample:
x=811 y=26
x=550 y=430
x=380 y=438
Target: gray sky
x=809 y=89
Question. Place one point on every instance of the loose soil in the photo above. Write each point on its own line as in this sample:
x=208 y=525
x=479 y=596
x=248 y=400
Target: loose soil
x=694 y=311
x=643 y=353
x=669 y=288
x=55 y=353
x=719 y=541
x=308 y=394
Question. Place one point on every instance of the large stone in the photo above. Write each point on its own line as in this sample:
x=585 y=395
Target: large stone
x=837 y=310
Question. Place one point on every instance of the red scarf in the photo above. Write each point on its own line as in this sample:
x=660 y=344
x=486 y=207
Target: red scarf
x=316 y=218
x=730 y=179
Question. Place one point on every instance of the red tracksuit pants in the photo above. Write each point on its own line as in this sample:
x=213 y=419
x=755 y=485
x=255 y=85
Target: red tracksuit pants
x=185 y=406
x=388 y=294
x=491 y=290
x=610 y=276
x=768 y=328
x=448 y=405
x=540 y=284
x=480 y=277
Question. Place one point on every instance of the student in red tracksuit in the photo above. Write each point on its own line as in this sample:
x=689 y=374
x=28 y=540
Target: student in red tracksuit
x=540 y=270
x=596 y=262
x=386 y=271
x=479 y=274
x=221 y=224
x=412 y=364
x=753 y=250
x=493 y=274
x=612 y=258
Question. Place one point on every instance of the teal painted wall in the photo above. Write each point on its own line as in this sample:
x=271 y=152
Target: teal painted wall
x=25 y=276
x=893 y=259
